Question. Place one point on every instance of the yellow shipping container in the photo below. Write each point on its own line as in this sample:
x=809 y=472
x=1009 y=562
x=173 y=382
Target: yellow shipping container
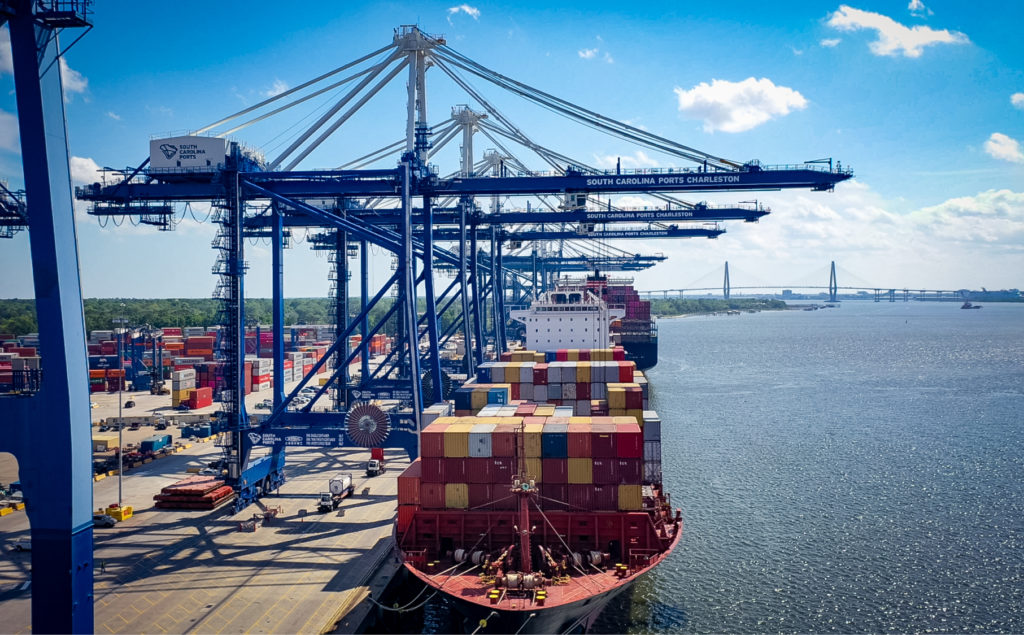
x=616 y=398
x=478 y=399
x=582 y=420
x=544 y=411
x=583 y=373
x=456 y=440
x=635 y=415
x=574 y=354
x=631 y=498
x=616 y=412
x=533 y=439
x=456 y=495
x=534 y=468
x=581 y=471
x=626 y=418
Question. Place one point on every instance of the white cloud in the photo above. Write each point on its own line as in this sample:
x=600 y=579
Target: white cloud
x=9 y=136
x=830 y=42
x=473 y=12
x=917 y=8
x=738 y=106
x=587 y=54
x=992 y=217
x=6 y=58
x=1017 y=99
x=1000 y=146
x=608 y=58
x=893 y=37
x=74 y=82
x=966 y=242
x=113 y=115
x=84 y=170
x=276 y=88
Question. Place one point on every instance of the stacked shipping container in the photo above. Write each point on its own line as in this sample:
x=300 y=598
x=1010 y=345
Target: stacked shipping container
x=588 y=463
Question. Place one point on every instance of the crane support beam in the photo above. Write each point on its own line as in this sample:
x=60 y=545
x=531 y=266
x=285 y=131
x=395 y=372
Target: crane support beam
x=49 y=432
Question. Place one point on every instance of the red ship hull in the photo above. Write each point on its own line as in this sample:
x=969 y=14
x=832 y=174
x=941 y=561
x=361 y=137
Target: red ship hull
x=572 y=604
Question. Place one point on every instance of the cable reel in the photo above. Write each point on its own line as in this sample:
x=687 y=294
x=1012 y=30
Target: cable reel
x=367 y=425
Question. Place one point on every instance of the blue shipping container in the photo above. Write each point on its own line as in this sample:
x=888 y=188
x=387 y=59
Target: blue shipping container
x=554 y=441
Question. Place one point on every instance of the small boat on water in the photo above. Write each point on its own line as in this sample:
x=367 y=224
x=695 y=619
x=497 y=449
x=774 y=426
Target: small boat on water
x=967 y=305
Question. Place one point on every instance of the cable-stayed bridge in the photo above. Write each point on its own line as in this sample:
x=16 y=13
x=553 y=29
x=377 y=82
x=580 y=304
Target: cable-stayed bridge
x=832 y=291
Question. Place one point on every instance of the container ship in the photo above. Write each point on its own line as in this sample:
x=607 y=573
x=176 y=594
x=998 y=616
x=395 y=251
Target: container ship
x=537 y=497
x=635 y=330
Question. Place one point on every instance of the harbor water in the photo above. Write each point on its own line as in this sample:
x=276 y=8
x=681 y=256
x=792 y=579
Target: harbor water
x=855 y=469
x=847 y=470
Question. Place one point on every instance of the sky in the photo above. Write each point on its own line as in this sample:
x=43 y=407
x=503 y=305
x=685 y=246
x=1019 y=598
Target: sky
x=923 y=100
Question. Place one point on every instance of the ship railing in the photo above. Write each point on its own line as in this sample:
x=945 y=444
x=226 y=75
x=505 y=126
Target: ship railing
x=641 y=558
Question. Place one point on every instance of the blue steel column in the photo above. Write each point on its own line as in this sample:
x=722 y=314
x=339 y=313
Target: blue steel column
x=433 y=352
x=277 y=306
x=498 y=290
x=364 y=297
x=474 y=279
x=341 y=313
x=467 y=318
x=407 y=293
x=50 y=432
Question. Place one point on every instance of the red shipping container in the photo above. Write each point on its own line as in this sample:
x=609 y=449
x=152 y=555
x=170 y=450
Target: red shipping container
x=630 y=471
x=584 y=354
x=556 y=496
x=432 y=440
x=432 y=495
x=540 y=375
x=479 y=494
x=514 y=391
x=24 y=351
x=555 y=471
x=562 y=355
x=409 y=484
x=526 y=409
x=287 y=364
x=405 y=515
x=634 y=398
x=605 y=471
x=580 y=497
x=626 y=372
x=629 y=441
x=579 y=441
x=433 y=469
x=582 y=390
x=602 y=440
x=455 y=470
x=477 y=470
x=606 y=497
x=501 y=470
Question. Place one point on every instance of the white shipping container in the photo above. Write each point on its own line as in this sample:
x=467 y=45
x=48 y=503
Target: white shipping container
x=480 y=440
x=563 y=411
x=526 y=372
x=202 y=154
x=652 y=451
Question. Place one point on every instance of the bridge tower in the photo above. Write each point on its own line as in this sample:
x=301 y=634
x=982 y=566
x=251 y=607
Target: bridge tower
x=833 y=284
x=725 y=283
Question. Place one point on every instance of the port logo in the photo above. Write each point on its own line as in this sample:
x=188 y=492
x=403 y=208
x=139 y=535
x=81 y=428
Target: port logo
x=169 y=150
x=254 y=438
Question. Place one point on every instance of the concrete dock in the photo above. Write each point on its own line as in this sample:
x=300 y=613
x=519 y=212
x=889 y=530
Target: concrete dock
x=176 y=571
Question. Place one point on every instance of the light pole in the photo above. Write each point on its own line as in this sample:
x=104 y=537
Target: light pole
x=120 y=419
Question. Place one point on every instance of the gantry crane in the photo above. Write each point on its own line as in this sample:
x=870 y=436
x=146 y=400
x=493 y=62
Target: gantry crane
x=407 y=210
